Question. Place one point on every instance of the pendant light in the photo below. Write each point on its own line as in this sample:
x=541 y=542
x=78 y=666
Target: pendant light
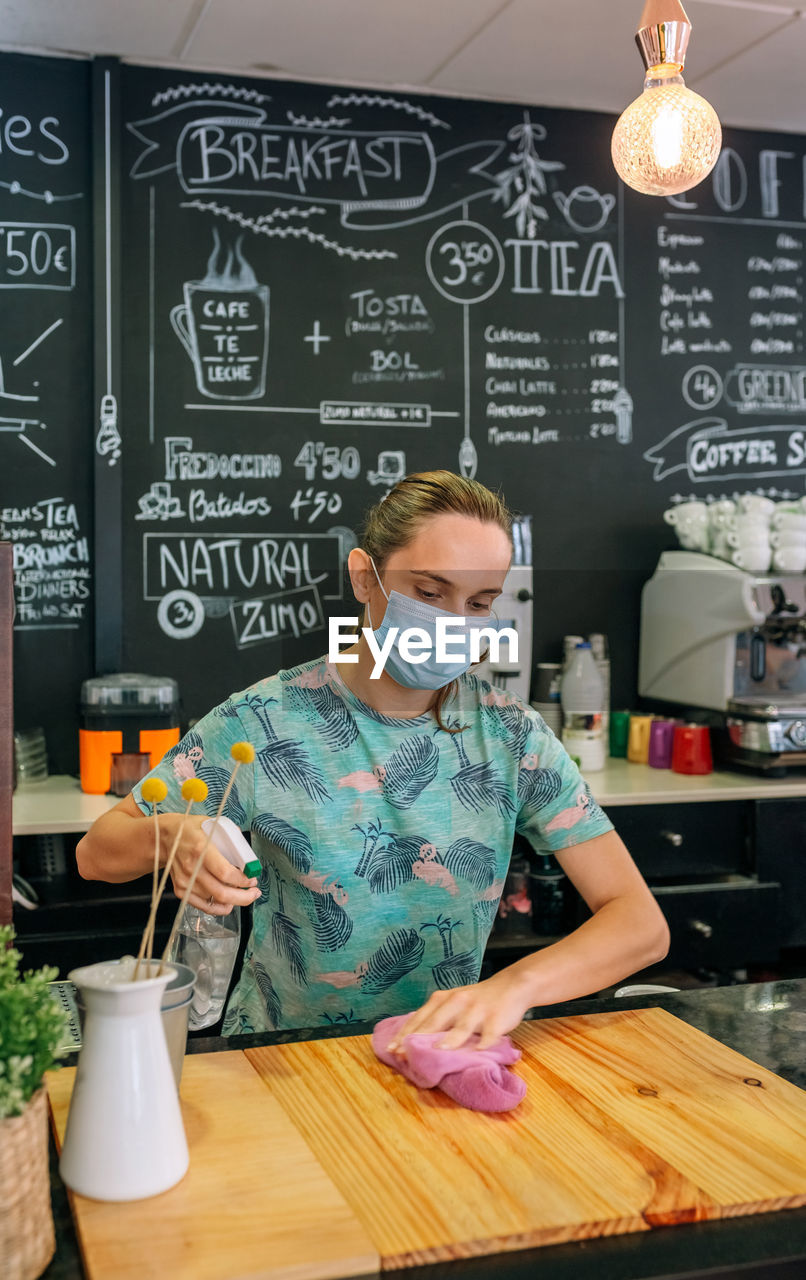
x=668 y=140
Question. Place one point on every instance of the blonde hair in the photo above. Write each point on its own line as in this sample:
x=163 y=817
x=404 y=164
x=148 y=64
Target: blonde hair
x=396 y=520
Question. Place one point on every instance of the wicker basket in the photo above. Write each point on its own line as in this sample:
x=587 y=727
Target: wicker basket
x=27 y=1241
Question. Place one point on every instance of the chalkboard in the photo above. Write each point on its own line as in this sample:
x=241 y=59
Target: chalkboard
x=312 y=290
x=46 y=342
x=326 y=289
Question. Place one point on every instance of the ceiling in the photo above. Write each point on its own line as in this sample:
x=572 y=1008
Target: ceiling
x=746 y=56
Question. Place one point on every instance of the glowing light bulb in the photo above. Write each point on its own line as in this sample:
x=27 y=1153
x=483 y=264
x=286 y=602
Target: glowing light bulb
x=669 y=138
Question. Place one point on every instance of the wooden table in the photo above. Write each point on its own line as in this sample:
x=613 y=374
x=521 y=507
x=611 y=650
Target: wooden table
x=314 y=1160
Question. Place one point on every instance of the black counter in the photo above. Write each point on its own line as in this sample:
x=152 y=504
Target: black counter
x=764 y=1021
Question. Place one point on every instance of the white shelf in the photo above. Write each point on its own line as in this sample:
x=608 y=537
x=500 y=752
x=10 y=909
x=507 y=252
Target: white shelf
x=56 y=805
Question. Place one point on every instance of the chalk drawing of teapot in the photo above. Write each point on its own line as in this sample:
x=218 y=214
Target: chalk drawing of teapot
x=585 y=209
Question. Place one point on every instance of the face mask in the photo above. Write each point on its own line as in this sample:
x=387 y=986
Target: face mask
x=402 y=612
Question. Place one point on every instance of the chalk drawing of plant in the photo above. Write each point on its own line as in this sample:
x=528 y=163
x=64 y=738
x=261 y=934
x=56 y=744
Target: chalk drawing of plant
x=524 y=181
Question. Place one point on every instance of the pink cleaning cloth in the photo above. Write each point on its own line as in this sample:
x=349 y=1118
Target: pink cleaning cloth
x=476 y=1078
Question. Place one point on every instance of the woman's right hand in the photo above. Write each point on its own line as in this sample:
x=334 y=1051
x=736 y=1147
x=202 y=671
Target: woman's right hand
x=120 y=846
x=218 y=886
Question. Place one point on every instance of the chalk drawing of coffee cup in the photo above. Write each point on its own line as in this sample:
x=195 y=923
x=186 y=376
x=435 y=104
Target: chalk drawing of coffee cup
x=223 y=324
x=585 y=209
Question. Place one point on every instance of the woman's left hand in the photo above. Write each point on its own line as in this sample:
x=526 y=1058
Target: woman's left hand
x=491 y=1008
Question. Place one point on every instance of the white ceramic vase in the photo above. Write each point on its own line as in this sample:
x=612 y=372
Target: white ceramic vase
x=124 y=1138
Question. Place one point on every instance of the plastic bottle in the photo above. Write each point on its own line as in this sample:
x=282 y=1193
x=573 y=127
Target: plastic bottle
x=601 y=656
x=549 y=903
x=209 y=944
x=582 y=699
x=515 y=905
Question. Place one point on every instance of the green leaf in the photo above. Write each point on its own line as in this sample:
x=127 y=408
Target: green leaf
x=33 y=1027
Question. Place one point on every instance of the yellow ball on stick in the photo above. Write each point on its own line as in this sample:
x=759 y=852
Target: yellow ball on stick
x=154 y=790
x=194 y=790
x=241 y=753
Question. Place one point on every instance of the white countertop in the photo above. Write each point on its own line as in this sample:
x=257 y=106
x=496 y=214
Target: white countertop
x=56 y=805
x=621 y=782
x=59 y=804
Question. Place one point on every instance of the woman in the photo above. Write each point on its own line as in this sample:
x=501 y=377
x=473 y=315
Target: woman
x=383 y=809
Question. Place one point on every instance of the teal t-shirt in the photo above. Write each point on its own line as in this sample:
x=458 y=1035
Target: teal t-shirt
x=384 y=842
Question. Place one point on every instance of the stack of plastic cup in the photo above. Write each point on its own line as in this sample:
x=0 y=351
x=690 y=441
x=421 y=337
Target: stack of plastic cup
x=30 y=756
x=638 y=740
x=661 y=739
x=619 y=733
x=546 y=694
x=691 y=751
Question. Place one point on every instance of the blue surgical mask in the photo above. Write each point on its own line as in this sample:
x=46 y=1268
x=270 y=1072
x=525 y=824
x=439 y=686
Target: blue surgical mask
x=403 y=612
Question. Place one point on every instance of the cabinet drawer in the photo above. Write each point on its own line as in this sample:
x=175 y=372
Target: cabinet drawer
x=674 y=840
x=725 y=925
x=781 y=856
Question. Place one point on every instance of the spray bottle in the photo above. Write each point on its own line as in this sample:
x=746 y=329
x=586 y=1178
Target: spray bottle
x=209 y=944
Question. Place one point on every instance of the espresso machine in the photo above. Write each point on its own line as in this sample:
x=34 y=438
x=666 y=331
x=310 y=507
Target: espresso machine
x=733 y=643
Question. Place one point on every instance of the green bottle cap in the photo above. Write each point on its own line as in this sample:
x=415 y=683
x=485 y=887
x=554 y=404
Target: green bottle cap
x=253 y=868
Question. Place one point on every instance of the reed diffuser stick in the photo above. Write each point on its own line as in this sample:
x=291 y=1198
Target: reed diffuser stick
x=153 y=791
x=242 y=753
x=154 y=879
x=194 y=791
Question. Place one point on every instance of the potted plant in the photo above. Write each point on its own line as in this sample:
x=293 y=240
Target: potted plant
x=32 y=1033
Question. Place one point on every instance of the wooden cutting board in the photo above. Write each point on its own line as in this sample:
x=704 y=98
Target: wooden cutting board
x=632 y=1120
x=254 y=1202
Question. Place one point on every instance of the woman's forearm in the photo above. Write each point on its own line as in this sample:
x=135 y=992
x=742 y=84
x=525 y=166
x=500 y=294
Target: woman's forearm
x=119 y=846
x=623 y=936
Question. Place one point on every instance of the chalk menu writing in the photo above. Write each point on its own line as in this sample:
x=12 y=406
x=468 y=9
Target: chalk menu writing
x=45 y=370
x=330 y=288
x=325 y=290
x=730 y=272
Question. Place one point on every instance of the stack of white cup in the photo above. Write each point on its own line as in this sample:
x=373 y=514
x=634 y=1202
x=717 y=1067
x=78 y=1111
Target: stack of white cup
x=752 y=532
x=720 y=516
x=690 y=522
x=748 y=532
x=788 y=537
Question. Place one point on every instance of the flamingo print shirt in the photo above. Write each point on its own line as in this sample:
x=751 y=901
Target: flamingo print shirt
x=384 y=842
